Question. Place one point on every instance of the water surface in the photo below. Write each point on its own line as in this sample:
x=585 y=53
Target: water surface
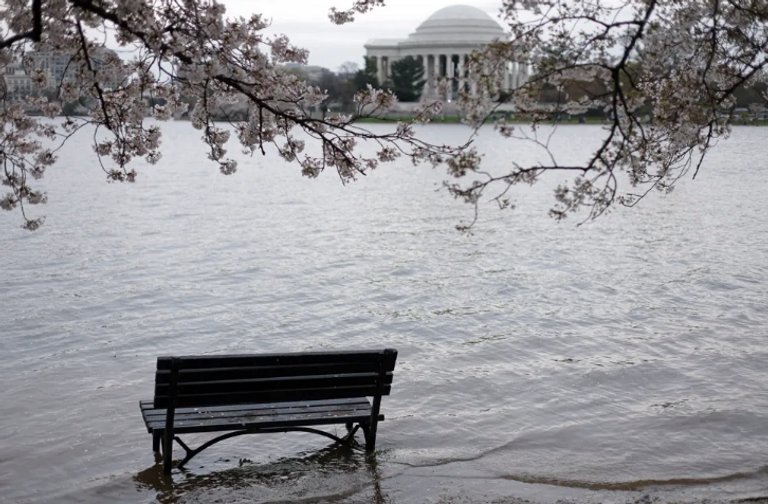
x=617 y=359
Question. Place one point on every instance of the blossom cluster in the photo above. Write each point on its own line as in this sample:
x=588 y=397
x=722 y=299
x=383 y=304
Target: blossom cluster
x=664 y=72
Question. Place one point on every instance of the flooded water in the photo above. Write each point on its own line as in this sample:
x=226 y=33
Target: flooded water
x=619 y=360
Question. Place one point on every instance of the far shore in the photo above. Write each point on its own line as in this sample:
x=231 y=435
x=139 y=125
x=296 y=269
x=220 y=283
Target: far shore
x=570 y=121
x=460 y=120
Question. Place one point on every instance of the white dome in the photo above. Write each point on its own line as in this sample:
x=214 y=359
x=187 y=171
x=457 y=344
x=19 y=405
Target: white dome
x=461 y=12
x=458 y=23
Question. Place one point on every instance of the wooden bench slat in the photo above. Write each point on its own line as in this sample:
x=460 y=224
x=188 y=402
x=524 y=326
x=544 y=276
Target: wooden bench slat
x=272 y=384
x=148 y=404
x=351 y=402
x=231 y=373
x=218 y=424
x=155 y=418
x=271 y=396
x=209 y=361
x=158 y=422
x=154 y=414
x=149 y=412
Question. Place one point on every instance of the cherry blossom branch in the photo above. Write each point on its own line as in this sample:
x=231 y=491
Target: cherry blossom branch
x=664 y=72
x=34 y=34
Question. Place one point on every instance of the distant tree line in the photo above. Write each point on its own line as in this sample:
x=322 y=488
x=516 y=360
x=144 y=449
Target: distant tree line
x=406 y=80
x=745 y=96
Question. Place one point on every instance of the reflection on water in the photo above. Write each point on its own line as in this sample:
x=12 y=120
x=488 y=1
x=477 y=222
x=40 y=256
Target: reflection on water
x=314 y=477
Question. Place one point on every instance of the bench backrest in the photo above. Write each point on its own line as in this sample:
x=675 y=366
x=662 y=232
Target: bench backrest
x=217 y=380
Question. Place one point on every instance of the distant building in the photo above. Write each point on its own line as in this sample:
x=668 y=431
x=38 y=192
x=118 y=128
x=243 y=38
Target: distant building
x=17 y=83
x=56 y=64
x=57 y=68
x=443 y=44
x=311 y=73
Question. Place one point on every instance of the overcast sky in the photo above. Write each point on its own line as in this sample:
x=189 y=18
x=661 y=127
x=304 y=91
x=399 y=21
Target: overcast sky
x=306 y=23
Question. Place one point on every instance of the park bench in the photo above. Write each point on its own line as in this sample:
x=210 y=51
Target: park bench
x=252 y=394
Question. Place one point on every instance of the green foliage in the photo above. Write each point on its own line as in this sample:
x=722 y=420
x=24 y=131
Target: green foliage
x=746 y=96
x=70 y=108
x=51 y=95
x=407 y=79
x=340 y=91
x=363 y=78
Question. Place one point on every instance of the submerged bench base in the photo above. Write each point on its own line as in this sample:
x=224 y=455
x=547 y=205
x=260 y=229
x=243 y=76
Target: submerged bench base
x=259 y=419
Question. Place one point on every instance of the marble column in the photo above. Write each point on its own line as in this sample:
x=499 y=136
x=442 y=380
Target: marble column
x=384 y=68
x=515 y=75
x=462 y=71
x=488 y=73
x=379 y=72
x=441 y=73
x=430 y=74
x=422 y=58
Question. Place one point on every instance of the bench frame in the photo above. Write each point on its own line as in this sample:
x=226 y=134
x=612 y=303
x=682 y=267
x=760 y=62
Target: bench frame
x=160 y=414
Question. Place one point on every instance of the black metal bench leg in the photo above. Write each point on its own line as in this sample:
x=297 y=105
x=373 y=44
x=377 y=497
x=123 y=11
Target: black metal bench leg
x=350 y=432
x=370 y=442
x=155 y=442
x=167 y=453
x=190 y=452
x=369 y=431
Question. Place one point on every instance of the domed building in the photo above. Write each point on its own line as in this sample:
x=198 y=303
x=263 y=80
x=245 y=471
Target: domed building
x=443 y=43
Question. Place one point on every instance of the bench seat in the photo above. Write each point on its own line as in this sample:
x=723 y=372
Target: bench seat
x=258 y=416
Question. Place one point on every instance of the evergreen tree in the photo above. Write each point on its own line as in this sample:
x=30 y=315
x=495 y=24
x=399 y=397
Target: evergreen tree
x=407 y=79
x=363 y=78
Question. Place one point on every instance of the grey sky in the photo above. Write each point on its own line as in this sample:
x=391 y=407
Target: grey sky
x=306 y=23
